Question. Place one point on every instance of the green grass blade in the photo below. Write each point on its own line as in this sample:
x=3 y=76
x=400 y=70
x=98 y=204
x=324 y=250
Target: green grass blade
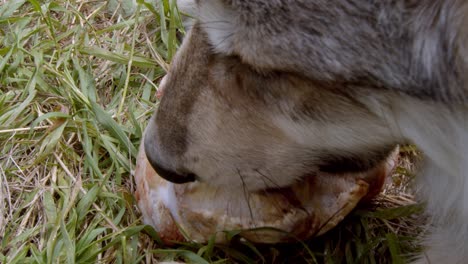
x=188 y=256
x=394 y=247
x=111 y=125
x=9 y=7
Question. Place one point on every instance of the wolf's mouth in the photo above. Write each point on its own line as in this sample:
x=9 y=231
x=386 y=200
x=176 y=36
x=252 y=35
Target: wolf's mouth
x=197 y=211
x=375 y=176
x=358 y=162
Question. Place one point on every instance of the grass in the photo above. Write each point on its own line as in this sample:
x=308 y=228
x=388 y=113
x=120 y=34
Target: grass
x=77 y=85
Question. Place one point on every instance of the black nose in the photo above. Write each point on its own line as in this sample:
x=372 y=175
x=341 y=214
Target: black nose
x=172 y=176
x=168 y=174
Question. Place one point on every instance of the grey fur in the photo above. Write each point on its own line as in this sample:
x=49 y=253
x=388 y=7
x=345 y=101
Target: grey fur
x=263 y=92
x=409 y=46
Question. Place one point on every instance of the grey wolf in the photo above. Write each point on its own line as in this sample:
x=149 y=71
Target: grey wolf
x=263 y=92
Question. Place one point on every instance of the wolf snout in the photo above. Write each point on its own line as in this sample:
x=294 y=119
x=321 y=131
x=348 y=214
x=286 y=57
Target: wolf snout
x=155 y=156
x=168 y=174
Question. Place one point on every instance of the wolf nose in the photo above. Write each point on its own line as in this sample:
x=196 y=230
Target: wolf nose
x=154 y=159
x=163 y=159
x=171 y=175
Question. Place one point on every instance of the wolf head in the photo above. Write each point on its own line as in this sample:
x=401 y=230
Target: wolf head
x=262 y=93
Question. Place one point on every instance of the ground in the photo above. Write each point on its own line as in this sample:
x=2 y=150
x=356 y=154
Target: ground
x=78 y=82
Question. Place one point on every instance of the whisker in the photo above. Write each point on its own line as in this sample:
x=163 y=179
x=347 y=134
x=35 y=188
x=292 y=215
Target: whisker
x=289 y=195
x=267 y=178
x=225 y=39
x=246 y=195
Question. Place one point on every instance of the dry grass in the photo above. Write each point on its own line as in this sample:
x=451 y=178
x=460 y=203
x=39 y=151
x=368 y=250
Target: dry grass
x=77 y=84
